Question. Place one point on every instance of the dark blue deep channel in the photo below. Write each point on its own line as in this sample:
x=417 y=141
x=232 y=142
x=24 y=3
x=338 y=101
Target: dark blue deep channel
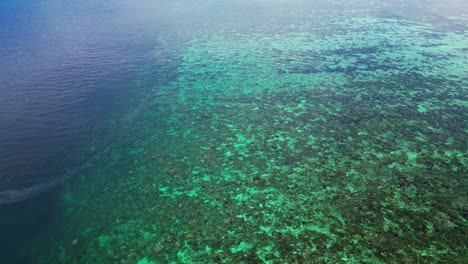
x=64 y=67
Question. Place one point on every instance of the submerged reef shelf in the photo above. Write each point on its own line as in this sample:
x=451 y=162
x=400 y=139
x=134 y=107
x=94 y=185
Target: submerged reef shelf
x=296 y=147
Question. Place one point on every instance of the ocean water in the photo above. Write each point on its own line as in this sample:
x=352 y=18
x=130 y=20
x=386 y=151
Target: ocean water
x=234 y=131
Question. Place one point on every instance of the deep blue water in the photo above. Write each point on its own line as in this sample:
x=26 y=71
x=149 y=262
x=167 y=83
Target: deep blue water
x=65 y=66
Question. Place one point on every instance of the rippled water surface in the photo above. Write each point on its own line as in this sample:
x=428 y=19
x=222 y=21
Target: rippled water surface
x=233 y=131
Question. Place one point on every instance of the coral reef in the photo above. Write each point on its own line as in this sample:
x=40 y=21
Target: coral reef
x=344 y=145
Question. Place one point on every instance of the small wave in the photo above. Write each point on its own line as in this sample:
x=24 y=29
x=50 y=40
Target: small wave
x=17 y=195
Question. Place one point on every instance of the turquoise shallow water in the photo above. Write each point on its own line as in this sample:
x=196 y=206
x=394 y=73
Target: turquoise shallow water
x=277 y=132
